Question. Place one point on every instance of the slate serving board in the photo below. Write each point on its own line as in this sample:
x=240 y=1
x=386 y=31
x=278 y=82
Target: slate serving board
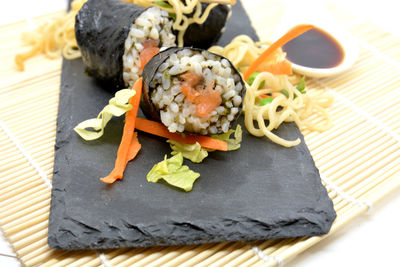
x=259 y=192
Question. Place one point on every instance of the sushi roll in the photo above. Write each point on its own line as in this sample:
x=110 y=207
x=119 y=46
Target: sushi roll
x=207 y=34
x=116 y=39
x=193 y=90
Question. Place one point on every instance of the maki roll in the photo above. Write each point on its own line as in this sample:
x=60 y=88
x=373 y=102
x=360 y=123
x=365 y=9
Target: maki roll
x=193 y=90
x=117 y=39
x=206 y=34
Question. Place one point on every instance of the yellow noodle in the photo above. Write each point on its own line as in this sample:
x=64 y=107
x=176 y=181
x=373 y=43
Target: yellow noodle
x=242 y=51
x=296 y=107
x=53 y=38
x=292 y=109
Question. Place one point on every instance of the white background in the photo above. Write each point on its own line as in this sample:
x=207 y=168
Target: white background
x=370 y=240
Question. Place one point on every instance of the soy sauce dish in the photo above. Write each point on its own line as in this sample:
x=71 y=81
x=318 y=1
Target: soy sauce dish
x=322 y=52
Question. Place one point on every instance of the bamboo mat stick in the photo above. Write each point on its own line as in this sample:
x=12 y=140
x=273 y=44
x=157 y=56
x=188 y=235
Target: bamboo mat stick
x=369 y=79
x=231 y=256
x=36 y=194
x=29 y=239
x=73 y=257
x=205 y=254
x=19 y=212
x=44 y=80
x=185 y=256
x=342 y=171
x=370 y=181
x=141 y=255
x=33 y=229
x=42 y=132
x=40 y=119
x=162 y=260
x=375 y=183
x=347 y=202
x=18 y=188
x=42 y=243
x=37 y=254
x=21 y=185
x=119 y=255
x=326 y=154
x=21 y=103
x=220 y=254
x=30 y=143
x=58 y=256
x=267 y=251
x=152 y=257
x=369 y=169
x=11 y=176
x=329 y=137
x=25 y=225
x=250 y=253
x=40 y=259
x=83 y=261
x=329 y=157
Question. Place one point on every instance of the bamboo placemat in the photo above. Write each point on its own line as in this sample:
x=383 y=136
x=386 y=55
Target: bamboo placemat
x=359 y=158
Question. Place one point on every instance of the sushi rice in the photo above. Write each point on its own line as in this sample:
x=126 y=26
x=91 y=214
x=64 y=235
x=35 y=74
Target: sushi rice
x=153 y=23
x=176 y=112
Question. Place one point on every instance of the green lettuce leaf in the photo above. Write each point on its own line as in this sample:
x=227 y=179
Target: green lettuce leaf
x=174 y=173
x=193 y=152
x=118 y=105
x=234 y=143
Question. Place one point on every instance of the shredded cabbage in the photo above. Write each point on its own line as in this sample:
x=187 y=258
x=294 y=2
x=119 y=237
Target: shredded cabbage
x=234 y=143
x=193 y=152
x=94 y=128
x=196 y=153
x=172 y=171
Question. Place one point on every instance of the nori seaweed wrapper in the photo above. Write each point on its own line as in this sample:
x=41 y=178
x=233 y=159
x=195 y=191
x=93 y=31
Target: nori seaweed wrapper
x=101 y=28
x=206 y=34
x=150 y=70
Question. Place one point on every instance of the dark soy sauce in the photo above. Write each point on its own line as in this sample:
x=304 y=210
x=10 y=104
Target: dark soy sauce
x=315 y=49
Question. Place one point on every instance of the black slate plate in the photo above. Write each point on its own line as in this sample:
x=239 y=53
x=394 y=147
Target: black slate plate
x=261 y=191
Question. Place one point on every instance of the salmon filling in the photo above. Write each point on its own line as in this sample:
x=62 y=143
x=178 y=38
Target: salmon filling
x=206 y=99
x=150 y=49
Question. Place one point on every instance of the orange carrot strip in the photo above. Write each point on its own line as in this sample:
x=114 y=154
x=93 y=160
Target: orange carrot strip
x=129 y=143
x=293 y=33
x=279 y=68
x=133 y=151
x=157 y=128
x=134 y=148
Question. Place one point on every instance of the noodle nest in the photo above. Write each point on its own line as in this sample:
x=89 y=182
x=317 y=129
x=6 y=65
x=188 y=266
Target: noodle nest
x=53 y=38
x=288 y=104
